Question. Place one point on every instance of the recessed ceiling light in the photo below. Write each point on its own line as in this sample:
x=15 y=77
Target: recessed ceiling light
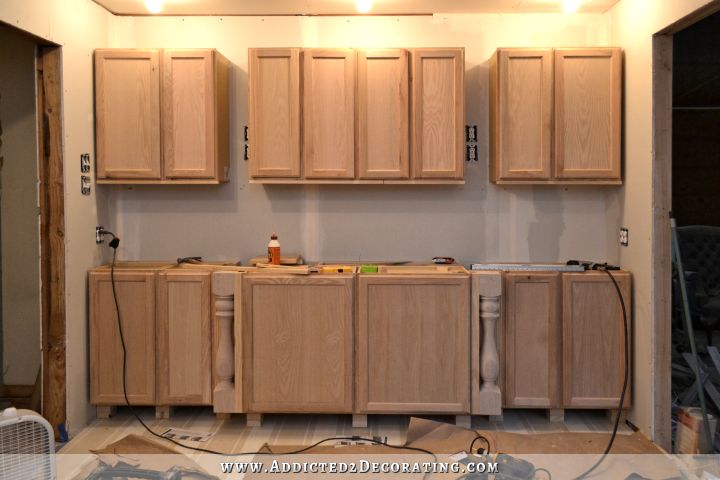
x=571 y=6
x=154 y=6
x=364 y=6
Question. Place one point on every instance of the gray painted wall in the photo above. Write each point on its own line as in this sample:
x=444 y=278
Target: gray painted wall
x=20 y=234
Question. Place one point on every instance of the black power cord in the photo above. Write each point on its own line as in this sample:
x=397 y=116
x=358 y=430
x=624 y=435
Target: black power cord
x=479 y=437
x=606 y=268
x=114 y=243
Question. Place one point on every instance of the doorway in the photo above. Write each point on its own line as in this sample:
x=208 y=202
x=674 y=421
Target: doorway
x=33 y=272
x=686 y=158
x=20 y=308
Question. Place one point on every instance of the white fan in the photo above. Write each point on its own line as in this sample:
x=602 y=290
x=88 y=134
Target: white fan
x=27 y=446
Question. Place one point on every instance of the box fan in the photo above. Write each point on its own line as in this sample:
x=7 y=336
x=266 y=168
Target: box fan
x=27 y=446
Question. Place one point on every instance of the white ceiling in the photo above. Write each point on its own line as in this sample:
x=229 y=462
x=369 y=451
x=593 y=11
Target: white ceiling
x=347 y=7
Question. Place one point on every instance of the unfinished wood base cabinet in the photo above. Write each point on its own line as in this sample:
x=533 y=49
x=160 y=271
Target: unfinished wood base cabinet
x=413 y=337
x=161 y=116
x=165 y=315
x=298 y=343
x=366 y=116
x=564 y=340
x=555 y=116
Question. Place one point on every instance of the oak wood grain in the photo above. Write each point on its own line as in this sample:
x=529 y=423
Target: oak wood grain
x=383 y=114
x=127 y=113
x=274 y=112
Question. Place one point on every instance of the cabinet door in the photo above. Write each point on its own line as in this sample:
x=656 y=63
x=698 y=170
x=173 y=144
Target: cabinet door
x=329 y=113
x=127 y=114
x=136 y=298
x=413 y=335
x=593 y=339
x=188 y=113
x=532 y=340
x=521 y=115
x=184 y=338
x=588 y=102
x=438 y=103
x=298 y=348
x=274 y=112
x=383 y=114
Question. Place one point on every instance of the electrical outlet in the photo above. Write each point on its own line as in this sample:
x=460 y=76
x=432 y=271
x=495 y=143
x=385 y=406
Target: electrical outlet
x=624 y=237
x=98 y=234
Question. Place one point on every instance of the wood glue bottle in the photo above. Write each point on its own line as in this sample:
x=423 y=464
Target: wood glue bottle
x=274 y=250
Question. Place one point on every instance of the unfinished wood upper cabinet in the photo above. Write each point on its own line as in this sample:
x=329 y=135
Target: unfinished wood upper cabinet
x=588 y=102
x=329 y=113
x=136 y=300
x=127 y=113
x=412 y=344
x=383 y=116
x=184 y=337
x=274 y=112
x=194 y=117
x=593 y=339
x=438 y=120
x=194 y=114
x=298 y=343
x=531 y=331
x=555 y=116
x=521 y=89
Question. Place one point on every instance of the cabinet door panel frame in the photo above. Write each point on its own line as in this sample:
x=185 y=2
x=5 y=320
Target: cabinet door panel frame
x=508 y=108
x=394 y=138
x=315 y=141
x=172 y=120
x=562 y=169
x=165 y=368
x=457 y=115
x=462 y=353
x=100 y=354
x=345 y=380
x=570 y=329
x=263 y=164
x=513 y=331
x=146 y=130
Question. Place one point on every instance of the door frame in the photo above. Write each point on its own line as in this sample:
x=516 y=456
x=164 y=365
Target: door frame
x=52 y=234
x=661 y=290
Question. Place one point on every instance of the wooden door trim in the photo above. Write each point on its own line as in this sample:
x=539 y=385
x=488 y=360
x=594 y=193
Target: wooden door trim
x=52 y=235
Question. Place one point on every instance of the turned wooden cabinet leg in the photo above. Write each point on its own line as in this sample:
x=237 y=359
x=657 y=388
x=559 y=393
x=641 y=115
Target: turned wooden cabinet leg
x=464 y=421
x=254 y=419
x=105 y=411
x=556 y=415
x=359 y=420
x=488 y=285
x=163 y=412
x=224 y=392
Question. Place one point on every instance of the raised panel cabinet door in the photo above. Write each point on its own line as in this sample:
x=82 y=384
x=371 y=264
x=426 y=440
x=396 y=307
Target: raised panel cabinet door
x=329 y=113
x=184 y=338
x=136 y=299
x=588 y=103
x=521 y=114
x=413 y=337
x=383 y=140
x=438 y=120
x=298 y=343
x=594 y=339
x=274 y=112
x=189 y=114
x=127 y=114
x=532 y=340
